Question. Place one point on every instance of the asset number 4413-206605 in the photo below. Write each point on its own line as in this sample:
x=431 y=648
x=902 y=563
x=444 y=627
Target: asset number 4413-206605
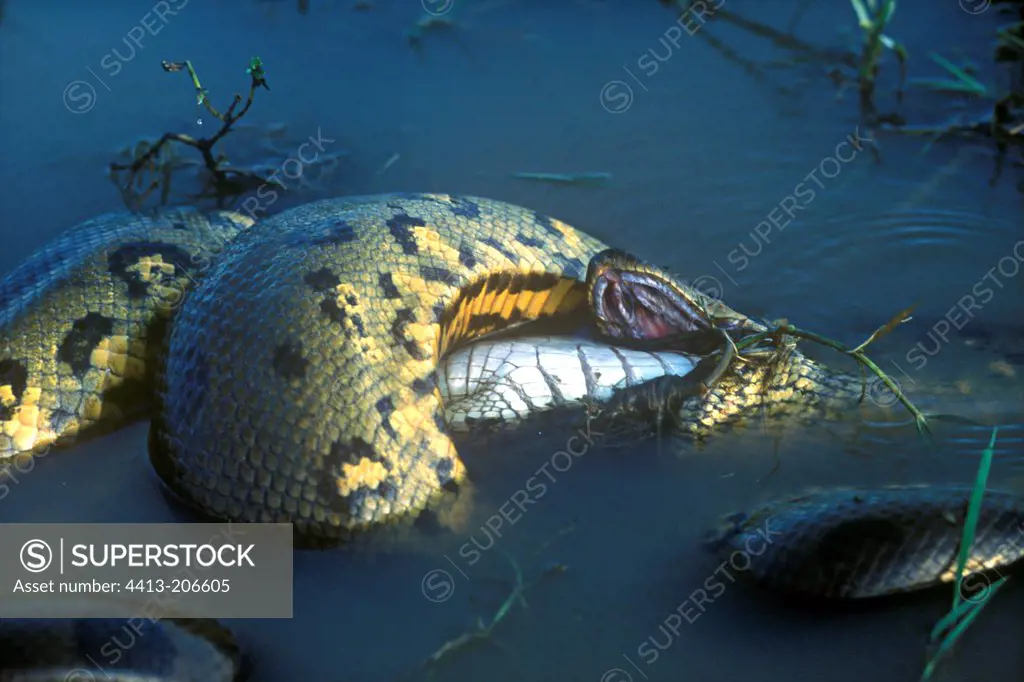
x=179 y=585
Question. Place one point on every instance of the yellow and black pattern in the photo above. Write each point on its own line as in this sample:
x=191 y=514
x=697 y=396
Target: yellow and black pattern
x=794 y=386
x=300 y=383
x=81 y=320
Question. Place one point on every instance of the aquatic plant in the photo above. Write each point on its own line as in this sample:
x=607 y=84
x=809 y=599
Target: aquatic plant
x=590 y=179
x=873 y=17
x=153 y=163
x=783 y=329
x=963 y=612
x=482 y=632
x=1003 y=124
x=962 y=82
x=776 y=343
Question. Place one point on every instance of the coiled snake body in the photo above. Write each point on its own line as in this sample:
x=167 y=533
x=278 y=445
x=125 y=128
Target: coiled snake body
x=301 y=376
x=299 y=381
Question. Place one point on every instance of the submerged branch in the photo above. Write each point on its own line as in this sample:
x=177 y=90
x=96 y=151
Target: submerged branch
x=482 y=631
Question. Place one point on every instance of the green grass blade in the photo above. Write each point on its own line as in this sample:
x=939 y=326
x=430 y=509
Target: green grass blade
x=945 y=85
x=890 y=9
x=1011 y=39
x=961 y=75
x=963 y=613
x=862 y=13
x=973 y=610
x=973 y=510
x=947 y=622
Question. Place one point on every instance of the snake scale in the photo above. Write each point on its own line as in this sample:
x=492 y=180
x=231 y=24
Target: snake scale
x=298 y=382
x=299 y=379
x=291 y=367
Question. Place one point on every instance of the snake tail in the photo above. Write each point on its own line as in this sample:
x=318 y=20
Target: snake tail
x=859 y=543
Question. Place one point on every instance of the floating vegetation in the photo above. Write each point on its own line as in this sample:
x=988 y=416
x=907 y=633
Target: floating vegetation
x=589 y=179
x=482 y=632
x=782 y=329
x=392 y=160
x=768 y=349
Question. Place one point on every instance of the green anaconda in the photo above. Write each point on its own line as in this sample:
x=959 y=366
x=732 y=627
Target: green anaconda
x=313 y=371
x=298 y=382
x=82 y=318
x=299 y=379
x=857 y=543
x=40 y=649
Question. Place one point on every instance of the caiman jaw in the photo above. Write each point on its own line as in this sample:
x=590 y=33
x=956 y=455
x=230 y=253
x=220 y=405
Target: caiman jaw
x=633 y=300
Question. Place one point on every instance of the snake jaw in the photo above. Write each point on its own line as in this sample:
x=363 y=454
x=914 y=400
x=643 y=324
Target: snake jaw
x=641 y=307
x=636 y=301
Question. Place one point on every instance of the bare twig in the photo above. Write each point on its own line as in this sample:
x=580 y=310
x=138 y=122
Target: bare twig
x=483 y=632
x=780 y=331
x=897 y=320
x=225 y=181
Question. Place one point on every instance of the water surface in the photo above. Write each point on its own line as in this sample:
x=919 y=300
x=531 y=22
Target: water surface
x=703 y=155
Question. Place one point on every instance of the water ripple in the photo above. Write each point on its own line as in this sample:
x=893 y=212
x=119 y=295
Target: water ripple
x=891 y=236
x=871 y=262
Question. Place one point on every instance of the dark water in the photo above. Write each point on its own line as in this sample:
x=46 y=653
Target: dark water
x=704 y=157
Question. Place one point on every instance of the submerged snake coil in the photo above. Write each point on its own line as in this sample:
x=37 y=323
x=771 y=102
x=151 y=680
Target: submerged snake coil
x=300 y=383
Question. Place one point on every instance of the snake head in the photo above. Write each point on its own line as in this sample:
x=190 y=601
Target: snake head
x=637 y=301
